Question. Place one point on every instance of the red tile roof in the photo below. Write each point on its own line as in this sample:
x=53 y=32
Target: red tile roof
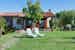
x=12 y=14
x=20 y=14
x=48 y=14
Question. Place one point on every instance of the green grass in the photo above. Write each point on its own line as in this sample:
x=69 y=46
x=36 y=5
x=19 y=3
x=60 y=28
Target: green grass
x=51 y=41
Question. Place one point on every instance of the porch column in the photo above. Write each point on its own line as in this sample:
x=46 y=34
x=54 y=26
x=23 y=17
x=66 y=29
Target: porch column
x=47 y=24
x=14 y=22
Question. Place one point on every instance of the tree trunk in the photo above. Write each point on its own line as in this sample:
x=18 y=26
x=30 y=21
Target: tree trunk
x=37 y=24
x=33 y=24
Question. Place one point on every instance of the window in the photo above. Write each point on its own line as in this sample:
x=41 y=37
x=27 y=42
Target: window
x=19 y=21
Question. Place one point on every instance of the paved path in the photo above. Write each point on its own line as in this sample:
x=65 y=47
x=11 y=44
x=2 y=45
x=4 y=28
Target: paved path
x=10 y=42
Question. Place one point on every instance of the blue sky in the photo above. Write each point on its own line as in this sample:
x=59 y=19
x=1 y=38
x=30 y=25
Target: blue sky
x=54 y=5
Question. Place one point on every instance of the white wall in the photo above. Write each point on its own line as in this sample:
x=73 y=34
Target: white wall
x=48 y=24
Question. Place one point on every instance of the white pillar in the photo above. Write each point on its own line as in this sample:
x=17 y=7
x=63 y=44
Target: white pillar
x=48 y=24
x=14 y=22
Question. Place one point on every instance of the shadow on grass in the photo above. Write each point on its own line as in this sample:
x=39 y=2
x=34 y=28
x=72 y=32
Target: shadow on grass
x=24 y=36
x=69 y=37
x=73 y=39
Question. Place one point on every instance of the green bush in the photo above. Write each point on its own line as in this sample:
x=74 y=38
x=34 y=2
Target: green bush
x=2 y=24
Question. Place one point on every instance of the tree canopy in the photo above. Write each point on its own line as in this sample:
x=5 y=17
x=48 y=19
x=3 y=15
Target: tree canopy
x=2 y=23
x=66 y=17
x=33 y=11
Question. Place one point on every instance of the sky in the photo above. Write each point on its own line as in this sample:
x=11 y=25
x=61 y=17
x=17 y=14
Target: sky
x=54 y=5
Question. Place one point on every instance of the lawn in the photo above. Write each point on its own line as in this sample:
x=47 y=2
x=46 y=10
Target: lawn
x=51 y=41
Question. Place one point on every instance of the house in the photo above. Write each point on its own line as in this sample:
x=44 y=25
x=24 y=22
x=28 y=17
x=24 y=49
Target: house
x=17 y=19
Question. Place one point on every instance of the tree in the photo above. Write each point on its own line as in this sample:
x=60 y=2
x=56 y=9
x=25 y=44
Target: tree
x=33 y=11
x=2 y=25
x=66 y=17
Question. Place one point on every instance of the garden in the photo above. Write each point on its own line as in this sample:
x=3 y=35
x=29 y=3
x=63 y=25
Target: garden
x=62 y=36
